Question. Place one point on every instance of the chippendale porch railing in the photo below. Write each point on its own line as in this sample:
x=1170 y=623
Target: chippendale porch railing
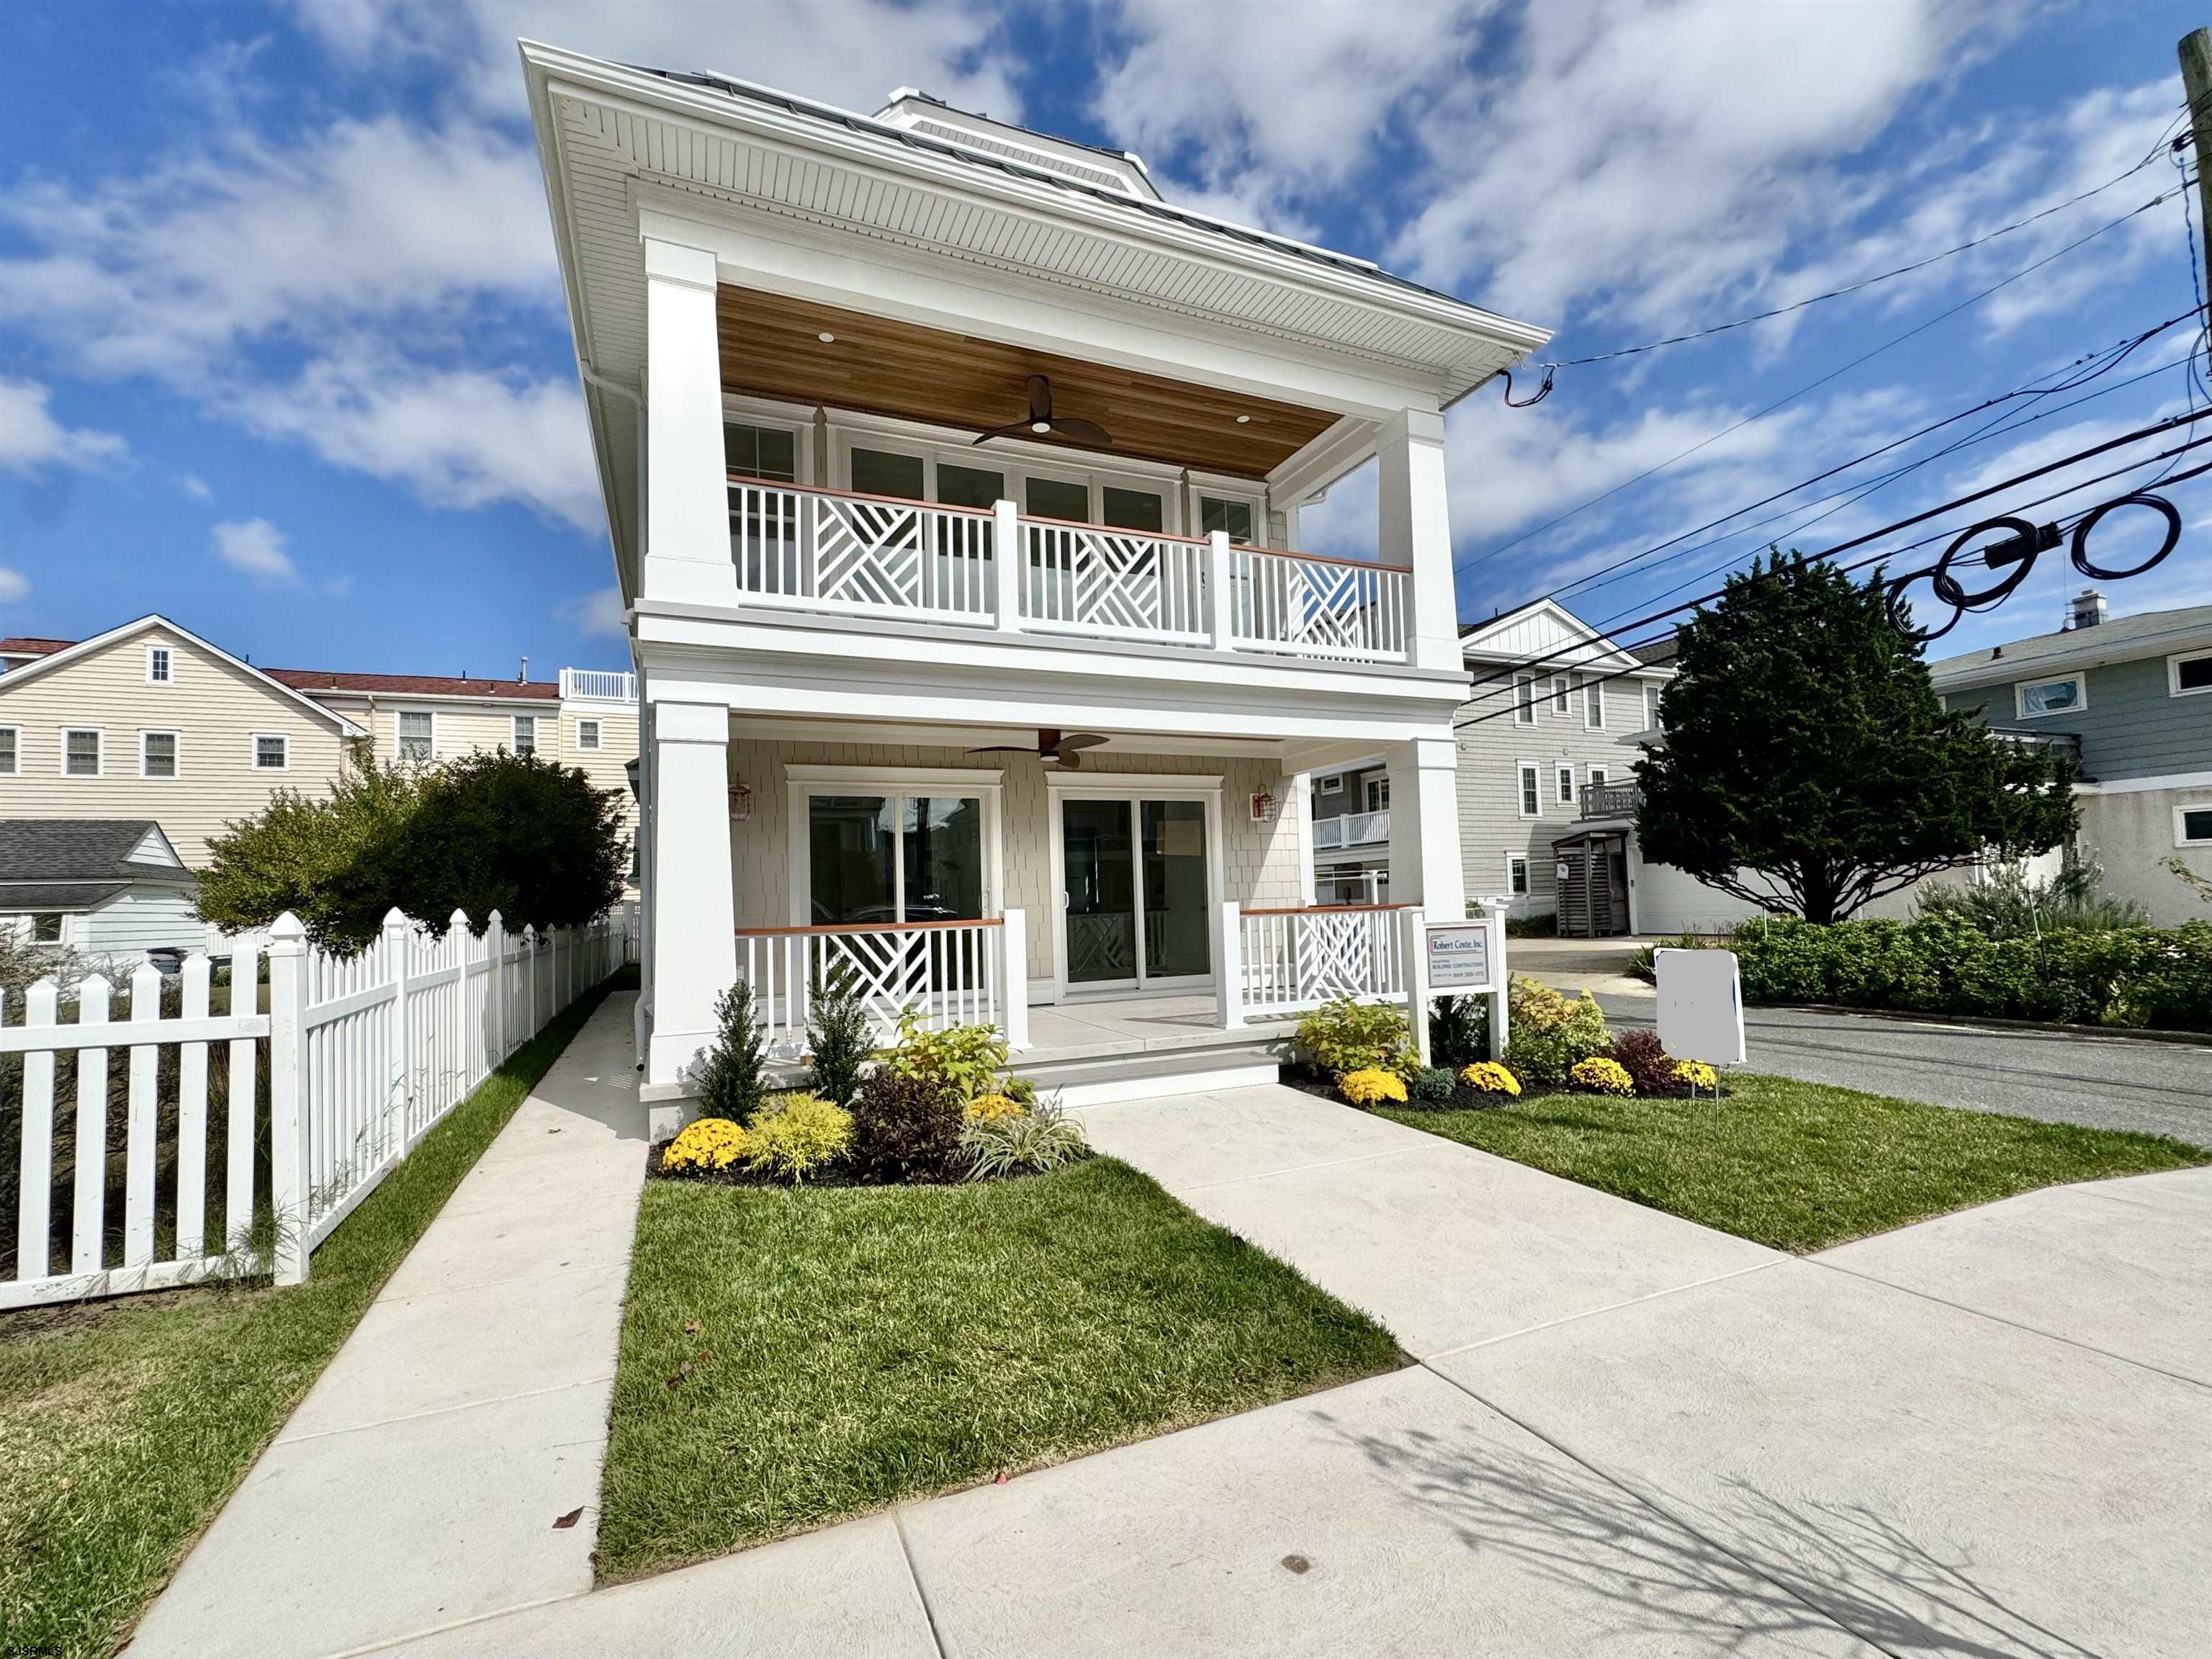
x=837 y=553
x=1300 y=958
x=950 y=973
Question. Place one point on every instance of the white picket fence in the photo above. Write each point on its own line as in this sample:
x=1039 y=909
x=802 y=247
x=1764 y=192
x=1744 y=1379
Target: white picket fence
x=361 y=1057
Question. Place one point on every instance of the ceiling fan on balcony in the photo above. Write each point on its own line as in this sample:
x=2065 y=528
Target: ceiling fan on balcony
x=1041 y=420
x=1061 y=749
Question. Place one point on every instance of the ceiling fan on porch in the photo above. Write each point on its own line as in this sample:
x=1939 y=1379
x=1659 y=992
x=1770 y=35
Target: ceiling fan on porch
x=1061 y=749
x=1041 y=420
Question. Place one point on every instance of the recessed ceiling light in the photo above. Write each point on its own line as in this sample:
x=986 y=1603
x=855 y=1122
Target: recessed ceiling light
x=1243 y=420
x=1040 y=426
x=827 y=337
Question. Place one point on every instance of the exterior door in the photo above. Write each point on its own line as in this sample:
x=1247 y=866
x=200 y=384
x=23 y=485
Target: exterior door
x=1101 y=896
x=1137 y=888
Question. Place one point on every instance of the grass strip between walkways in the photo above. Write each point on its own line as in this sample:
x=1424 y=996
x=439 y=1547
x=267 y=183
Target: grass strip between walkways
x=126 y=1424
x=1798 y=1166
x=852 y=1347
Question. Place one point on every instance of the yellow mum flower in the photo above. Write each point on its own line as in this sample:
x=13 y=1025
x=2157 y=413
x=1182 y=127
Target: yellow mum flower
x=1371 y=1087
x=1696 y=1073
x=994 y=1108
x=1600 y=1076
x=1490 y=1077
x=711 y=1143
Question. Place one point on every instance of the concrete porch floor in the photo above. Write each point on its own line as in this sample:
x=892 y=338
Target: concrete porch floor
x=1111 y=1027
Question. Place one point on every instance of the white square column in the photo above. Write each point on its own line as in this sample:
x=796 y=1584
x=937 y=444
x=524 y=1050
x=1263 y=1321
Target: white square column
x=1424 y=856
x=694 y=944
x=687 y=511
x=1413 y=527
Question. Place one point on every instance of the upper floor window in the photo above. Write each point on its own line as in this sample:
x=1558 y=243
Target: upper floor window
x=525 y=734
x=1524 y=699
x=2187 y=676
x=1058 y=498
x=1532 y=798
x=1594 y=703
x=761 y=451
x=1561 y=694
x=1566 y=785
x=157 y=753
x=81 y=752
x=418 y=735
x=1378 y=794
x=1131 y=509
x=272 y=752
x=2032 y=698
x=1652 y=690
x=7 y=751
x=588 y=734
x=159 y=665
x=1598 y=777
x=1215 y=513
x=888 y=472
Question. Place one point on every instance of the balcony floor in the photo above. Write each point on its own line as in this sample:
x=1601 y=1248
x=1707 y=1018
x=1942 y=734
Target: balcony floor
x=1134 y=1025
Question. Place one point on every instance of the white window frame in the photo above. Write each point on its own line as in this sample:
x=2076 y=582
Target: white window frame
x=1135 y=787
x=1330 y=783
x=1564 y=784
x=1563 y=695
x=2173 y=688
x=1020 y=464
x=100 y=736
x=802 y=432
x=398 y=752
x=167 y=655
x=1375 y=793
x=1652 y=692
x=1594 y=703
x=1600 y=776
x=803 y=782
x=1528 y=784
x=15 y=768
x=514 y=733
x=2181 y=836
x=61 y=927
x=1526 y=889
x=1202 y=490
x=2021 y=688
x=1524 y=699
x=176 y=753
x=253 y=751
x=599 y=734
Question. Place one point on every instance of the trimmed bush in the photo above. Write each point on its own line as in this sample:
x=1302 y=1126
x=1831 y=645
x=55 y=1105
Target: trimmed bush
x=838 y=1037
x=1433 y=1086
x=1549 y=1033
x=705 y=1145
x=1487 y=1077
x=1600 y=1076
x=1345 y=1036
x=731 y=1083
x=794 y=1136
x=1371 y=1086
x=906 y=1128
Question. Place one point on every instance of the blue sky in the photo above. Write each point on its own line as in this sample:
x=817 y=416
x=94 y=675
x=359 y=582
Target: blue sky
x=282 y=354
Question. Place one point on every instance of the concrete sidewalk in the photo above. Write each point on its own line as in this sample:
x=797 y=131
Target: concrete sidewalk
x=417 y=1486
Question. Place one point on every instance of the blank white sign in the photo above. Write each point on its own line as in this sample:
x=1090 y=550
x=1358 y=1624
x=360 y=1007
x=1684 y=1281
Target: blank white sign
x=1700 y=1005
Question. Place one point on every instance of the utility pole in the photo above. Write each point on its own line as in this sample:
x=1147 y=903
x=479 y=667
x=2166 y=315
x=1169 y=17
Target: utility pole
x=2196 y=53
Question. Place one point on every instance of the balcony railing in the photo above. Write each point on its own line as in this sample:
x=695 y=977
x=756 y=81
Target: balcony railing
x=2058 y=743
x=1612 y=800
x=597 y=685
x=1351 y=830
x=834 y=552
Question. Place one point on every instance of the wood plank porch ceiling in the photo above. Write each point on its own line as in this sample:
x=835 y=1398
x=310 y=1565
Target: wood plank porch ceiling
x=770 y=348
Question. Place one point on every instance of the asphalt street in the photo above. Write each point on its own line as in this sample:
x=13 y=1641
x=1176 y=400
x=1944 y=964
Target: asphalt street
x=2088 y=1076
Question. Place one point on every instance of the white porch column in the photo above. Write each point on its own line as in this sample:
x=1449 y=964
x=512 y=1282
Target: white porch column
x=1413 y=527
x=1300 y=784
x=687 y=530
x=1424 y=856
x=695 y=953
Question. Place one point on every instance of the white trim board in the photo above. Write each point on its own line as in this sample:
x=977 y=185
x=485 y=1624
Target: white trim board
x=2146 y=786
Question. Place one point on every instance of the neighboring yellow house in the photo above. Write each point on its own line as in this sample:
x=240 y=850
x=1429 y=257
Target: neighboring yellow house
x=149 y=720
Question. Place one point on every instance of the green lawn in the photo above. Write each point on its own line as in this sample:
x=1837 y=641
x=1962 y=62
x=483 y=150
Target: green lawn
x=1798 y=1166
x=124 y=1424
x=854 y=1347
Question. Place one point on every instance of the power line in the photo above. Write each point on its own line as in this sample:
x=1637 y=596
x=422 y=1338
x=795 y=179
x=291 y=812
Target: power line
x=1790 y=398
x=1863 y=283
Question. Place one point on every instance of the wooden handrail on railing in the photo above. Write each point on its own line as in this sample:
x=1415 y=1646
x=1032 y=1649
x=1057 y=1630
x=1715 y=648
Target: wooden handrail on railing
x=872 y=926
x=1324 y=909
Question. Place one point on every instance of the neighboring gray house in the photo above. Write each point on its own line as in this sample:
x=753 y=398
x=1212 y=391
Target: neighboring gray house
x=107 y=887
x=2132 y=697
x=1351 y=834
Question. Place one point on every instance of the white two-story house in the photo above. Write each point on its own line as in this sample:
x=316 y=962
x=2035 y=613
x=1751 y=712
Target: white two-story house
x=953 y=477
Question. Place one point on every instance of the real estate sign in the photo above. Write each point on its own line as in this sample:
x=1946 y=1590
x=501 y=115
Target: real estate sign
x=1459 y=958
x=1700 y=1005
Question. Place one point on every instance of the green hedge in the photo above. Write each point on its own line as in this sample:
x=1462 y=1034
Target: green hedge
x=2157 y=977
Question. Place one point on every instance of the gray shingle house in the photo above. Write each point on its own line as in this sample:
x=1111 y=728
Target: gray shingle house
x=113 y=888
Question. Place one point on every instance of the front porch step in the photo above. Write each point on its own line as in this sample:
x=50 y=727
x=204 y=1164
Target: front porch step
x=1101 y=1080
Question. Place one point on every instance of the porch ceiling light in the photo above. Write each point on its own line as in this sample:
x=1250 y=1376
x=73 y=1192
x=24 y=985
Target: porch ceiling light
x=1243 y=420
x=827 y=337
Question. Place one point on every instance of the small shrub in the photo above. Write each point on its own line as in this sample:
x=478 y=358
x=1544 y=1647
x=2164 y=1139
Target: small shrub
x=1042 y=1138
x=1433 y=1086
x=1487 y=1077
x=1600 y=1076
x=839 y=1037
x=1371 y=1087
x=1019 y=1090
x=704 y=1145
x=1695 y=1075
x=905 y=1128
x=1650 y=1068
x=730 y=1083
x=1458 y=1030
x=794 y=1136
x=1345 y=1036
x=993 y=1108
x=1549 y=1033
x=968 y=1057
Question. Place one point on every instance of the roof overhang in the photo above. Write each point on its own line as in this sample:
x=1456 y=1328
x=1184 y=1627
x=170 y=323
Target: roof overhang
x=2077 y=650
x=83 y=648
x=1553 y=637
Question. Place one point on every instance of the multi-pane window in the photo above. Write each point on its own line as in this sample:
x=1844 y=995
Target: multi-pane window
x=1378 y=794
x=157 y=664
x=1566 y=785
x=588 y=734
x=272 y=752
x=525 y=734
x=1516 y=876
x=7 y=751
x=1598 y=777
x=1235 y=517
x=1594 y=703
x=760 y=451
x=81 y=753
x=1560 y=694
x=1532 y=800
x=157 y=753
x=1524 y=699
x=417 y=735
x=1652 y=690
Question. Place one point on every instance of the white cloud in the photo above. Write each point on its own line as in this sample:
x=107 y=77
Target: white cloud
x=31 y=438
x=195 y=486
x=13 y=586
x=255 y=547
x=598 y=615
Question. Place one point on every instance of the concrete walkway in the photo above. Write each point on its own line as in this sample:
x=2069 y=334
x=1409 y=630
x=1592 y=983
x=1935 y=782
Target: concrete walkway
x=417 y=1486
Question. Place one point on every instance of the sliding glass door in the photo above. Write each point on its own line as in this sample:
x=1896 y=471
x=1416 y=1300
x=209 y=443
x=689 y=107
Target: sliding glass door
x=1136 y=892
